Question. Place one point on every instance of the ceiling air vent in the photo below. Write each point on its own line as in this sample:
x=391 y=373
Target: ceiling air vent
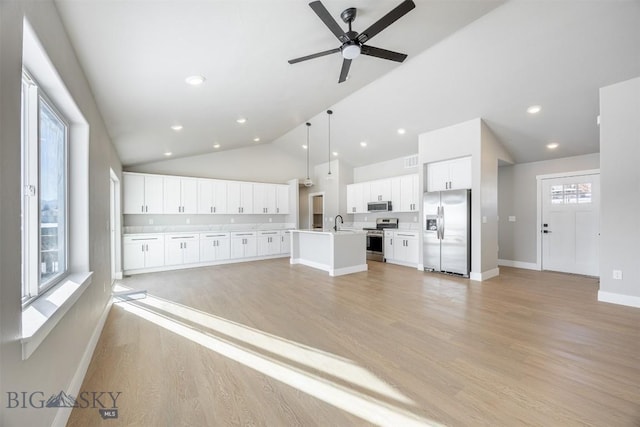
x=411 y=161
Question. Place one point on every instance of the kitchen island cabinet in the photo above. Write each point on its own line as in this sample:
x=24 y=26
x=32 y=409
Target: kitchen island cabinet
x=338 y=253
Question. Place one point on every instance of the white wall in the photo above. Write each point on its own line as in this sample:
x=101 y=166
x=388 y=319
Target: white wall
x=620 y=186
x=262 y=163
x=386 y=169
x=53 y=365
x=517 y=196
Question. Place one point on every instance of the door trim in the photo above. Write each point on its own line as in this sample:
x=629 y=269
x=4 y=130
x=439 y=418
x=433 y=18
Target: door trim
x=310 y=201
x=115 y=227
x=539 y=179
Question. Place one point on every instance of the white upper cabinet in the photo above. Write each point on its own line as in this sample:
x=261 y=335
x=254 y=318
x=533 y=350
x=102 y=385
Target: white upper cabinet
x=212 y=196
x=264 y=198
x=449 y=175
x=180 y=195
x=356 y=202
x=239 y=197
x=409 y=193
x=282 y=199
x=379 y=190
x=143 y=194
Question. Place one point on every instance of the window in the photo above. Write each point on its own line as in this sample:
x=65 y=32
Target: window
x=45 y=136
x=571 y=193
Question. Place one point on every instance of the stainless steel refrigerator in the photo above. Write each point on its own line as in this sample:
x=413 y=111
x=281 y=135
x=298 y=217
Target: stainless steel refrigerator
x=447 y=231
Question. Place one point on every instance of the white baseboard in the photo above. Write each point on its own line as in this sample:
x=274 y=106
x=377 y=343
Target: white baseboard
x=621 y=299
x=63 y=414
x=485 y=275
x=519 y=264
x=348 y=270
x=323 y=267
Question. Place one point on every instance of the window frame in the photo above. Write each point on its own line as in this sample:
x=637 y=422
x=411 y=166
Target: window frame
x=32 y=284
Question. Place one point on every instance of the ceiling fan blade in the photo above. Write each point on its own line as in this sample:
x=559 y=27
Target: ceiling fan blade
x=328 y=20
x=383 y=53
x=344 y=73
x=391 y=17
x=315 y=55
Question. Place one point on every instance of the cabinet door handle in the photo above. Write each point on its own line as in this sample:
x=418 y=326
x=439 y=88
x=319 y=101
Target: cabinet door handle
x=146 y=208
x=211 y=209
x=214 y=209
x=142 y=208
x=142 y=247
x=147 y=248
x=277 y=210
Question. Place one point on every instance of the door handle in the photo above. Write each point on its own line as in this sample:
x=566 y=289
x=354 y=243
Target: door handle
x=546 y=231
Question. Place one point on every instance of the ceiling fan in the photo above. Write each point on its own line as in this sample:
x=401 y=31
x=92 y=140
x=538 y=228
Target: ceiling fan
x=353 y=43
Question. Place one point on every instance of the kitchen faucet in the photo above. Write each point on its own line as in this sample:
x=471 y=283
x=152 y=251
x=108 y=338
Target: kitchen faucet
x=335 y=222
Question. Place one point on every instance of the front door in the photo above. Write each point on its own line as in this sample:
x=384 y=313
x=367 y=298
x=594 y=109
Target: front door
x=571 y=224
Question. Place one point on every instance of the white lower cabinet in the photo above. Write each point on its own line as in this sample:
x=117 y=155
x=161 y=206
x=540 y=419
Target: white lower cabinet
x=215 y=247
x=401 y=247
x=269 y=243
x=143 y=251
x=285 y=242
x=181 y=249
x=243 y=245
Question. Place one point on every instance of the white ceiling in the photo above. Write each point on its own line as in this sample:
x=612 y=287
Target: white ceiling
x=467 y=59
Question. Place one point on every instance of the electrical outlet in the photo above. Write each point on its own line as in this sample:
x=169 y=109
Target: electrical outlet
x=270 y=219
x=617 y=274
x=415 y=219
x=188 y=221
x=512 y=218
x=232 y=220
x=365 y=219
x=484 y=219
x=150 y=221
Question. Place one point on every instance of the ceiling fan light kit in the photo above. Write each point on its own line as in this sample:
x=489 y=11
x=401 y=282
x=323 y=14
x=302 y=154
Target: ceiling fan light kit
x=353 y=43
x=307 y=181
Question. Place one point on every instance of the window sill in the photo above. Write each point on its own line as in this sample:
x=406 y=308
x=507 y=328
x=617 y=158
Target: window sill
x=42 y=315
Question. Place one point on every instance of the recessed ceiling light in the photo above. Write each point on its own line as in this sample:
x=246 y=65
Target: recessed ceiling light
x=216 y=145
x=241 y=120
x=335 y=153
x=168 y=153
x=363 y=144
x=401 y=131
x=534 y=109
x=552 y=145
x=305 y=146
x=176 y=127
x=195 y=80
x=256 y=139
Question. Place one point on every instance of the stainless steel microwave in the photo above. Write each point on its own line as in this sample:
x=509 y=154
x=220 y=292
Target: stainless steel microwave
x=379 y=206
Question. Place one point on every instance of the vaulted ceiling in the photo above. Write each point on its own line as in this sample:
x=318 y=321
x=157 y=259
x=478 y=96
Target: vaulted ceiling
x=467 y=59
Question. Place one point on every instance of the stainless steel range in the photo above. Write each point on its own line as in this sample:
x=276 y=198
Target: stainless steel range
x=375 y=237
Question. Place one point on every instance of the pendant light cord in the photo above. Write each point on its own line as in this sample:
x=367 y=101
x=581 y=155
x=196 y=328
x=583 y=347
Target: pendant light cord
x=308 y=148
x=329 y=113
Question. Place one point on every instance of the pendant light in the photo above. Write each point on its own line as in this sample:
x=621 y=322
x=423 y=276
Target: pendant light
x=307 y=181
x=329 y=113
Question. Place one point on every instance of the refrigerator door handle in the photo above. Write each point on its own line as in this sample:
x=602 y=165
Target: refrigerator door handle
x=439 y=223
x=442 y=222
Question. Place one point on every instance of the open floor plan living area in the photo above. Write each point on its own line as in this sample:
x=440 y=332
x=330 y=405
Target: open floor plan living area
x=319 y=213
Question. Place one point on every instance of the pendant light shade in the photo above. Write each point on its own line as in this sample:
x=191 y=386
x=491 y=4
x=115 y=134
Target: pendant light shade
x=307 y=182
x=329 y=113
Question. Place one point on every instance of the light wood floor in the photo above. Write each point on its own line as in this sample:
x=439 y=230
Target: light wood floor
x=266 y=343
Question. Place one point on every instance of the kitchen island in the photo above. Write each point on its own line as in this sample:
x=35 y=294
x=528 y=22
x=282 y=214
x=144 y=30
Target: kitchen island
x=337 y=252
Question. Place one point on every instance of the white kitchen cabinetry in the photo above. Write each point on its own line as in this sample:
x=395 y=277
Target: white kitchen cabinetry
x=282 y=199
x=357 y=197
x=264 y=198
x=408 y=193
x=181 y=249
x=180 y=195
x=285 y=242
x=388 y=245
x=143 y=251
x=243 y=245
x=239 y=197
x=142 y=193
x=449 y=175
x=212 y=196
x=214 y=247
x=379 y=190
x=269 y=243
x=405 y=248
